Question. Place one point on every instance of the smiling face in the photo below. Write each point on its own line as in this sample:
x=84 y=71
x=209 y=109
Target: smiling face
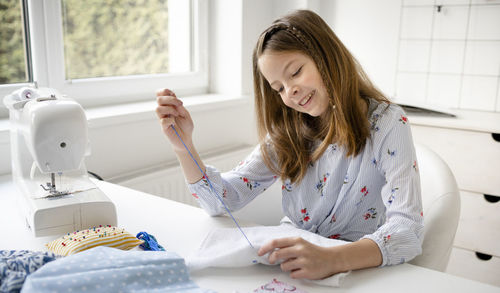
x=295 y=77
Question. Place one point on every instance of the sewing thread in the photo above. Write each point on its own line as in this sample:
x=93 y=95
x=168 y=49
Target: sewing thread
x=211 y=187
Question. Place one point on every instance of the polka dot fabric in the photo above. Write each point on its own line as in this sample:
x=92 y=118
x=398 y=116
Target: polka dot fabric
x=96 y=236
x=105 y=269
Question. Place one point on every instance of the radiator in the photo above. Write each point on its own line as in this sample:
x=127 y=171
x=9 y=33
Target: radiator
x=170 y=183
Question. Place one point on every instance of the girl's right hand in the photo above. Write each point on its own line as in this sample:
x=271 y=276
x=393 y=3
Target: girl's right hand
x=170 y=111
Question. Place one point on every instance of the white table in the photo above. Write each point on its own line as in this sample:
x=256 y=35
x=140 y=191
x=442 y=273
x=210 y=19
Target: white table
x=181 y=228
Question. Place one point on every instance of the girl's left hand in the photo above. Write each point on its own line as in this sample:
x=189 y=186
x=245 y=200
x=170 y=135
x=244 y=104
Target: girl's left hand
x=302 y=258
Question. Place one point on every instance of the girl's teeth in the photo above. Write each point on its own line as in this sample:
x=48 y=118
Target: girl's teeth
x=306 y=100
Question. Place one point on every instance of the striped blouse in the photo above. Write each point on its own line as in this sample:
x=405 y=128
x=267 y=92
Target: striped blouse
x=374 y=195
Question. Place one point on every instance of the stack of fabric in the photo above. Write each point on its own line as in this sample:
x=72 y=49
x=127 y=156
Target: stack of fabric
x=96 y=260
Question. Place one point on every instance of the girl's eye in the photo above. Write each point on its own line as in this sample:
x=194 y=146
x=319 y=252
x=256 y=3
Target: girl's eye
x=297 y=72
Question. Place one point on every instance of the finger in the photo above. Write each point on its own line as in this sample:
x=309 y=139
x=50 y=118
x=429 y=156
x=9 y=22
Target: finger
x=165 y=92
x=166 y=122
x=168 y=101
x=284 y=254
x=291 y=265
x=299 y=274
x=163 y=111
x=278 y=243
x=183 y=112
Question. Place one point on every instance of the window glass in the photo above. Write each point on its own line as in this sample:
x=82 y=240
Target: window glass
x=118 y=38
x=13 y=58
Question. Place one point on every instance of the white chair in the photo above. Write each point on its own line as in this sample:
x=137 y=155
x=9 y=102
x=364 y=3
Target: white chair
x=441 y=203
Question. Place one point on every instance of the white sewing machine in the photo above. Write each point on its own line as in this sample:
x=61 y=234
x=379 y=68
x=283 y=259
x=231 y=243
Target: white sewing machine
x=49 y=140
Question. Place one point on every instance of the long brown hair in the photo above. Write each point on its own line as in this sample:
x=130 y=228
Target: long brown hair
x=294 y=135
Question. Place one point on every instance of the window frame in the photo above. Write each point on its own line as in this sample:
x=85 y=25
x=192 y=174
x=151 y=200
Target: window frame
x=46 y=38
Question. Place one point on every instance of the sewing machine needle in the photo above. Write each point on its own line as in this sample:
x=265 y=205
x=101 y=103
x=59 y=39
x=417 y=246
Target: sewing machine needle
x=53 y=180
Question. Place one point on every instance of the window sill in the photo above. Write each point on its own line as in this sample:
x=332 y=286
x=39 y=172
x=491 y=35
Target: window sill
x=125 y=113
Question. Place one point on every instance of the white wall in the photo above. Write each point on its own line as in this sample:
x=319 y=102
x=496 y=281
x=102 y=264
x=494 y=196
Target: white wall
x=225 y=47
x=450 y=56
x=370 y=30
x=236 y=26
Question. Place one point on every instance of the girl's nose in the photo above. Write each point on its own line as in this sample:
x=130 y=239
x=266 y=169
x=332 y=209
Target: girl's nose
x=293 y=91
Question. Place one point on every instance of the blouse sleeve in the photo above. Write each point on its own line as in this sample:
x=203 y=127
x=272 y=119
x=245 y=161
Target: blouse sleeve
x=233 y=189
x=400 y=237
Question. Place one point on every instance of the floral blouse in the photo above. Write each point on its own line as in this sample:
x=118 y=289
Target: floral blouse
x=374 y=195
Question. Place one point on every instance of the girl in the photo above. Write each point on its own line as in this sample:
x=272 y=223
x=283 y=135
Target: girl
x=344 y=154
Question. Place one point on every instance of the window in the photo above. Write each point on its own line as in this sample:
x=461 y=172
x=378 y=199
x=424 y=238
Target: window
x=104 y=52
x=134 y=38
x=13 y=51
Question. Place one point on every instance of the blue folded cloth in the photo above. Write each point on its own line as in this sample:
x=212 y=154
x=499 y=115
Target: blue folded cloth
x=105 y=269
x=16 y=265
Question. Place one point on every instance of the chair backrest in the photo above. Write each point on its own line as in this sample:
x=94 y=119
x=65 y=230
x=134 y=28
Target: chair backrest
x=441 y=204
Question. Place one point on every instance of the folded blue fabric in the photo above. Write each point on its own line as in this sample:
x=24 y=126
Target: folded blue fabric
x=16 y=265
x=105 y=269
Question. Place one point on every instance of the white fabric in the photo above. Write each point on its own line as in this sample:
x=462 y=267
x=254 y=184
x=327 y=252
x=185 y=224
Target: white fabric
x=374 y=195
x=227 y=247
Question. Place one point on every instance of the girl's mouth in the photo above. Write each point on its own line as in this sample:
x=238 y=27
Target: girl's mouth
x=306 y=99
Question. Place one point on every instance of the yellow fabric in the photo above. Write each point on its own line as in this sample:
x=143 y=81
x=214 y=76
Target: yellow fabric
x=96 y=236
